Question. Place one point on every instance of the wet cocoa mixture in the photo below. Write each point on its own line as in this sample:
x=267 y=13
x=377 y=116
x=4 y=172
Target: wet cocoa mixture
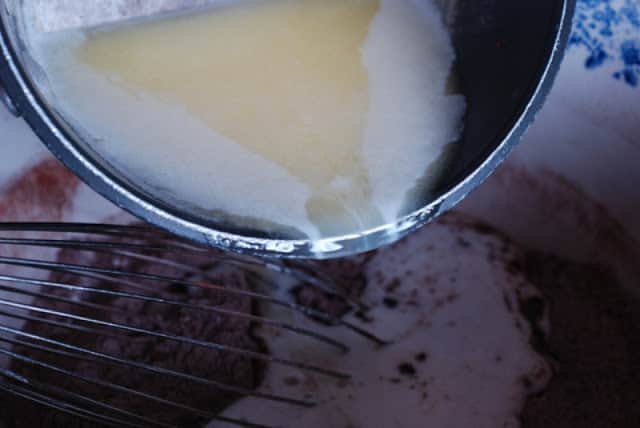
x=593 y=346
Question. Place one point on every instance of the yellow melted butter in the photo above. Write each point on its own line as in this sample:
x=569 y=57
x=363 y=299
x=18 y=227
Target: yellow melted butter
x=285 y=79
x=319 y=116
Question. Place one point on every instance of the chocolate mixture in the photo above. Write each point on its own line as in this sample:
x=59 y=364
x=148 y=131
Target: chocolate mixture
x=226 y=367
x=595 y=344
x=346 y=273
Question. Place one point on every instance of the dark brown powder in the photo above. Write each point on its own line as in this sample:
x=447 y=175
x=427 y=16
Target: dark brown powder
x=594 y=344
x=205 y=363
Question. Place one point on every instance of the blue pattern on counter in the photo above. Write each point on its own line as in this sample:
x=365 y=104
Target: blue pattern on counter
x=610 y=32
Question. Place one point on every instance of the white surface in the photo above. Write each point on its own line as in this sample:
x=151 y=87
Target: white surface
x=451 y=308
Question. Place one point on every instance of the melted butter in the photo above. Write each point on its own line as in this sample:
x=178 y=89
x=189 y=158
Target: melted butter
x=289 y=86
x=319 y=116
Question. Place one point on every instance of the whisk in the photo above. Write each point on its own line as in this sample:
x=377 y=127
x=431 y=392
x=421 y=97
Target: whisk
x=129 y=326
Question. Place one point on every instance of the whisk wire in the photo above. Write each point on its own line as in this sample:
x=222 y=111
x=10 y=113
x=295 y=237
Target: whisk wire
x=110 y=385
x=158 y=370
x=183 y=339
x=82 y=306
x=84 y=402
x=152 y=299
x=48 y=401
x=324 y=283
x=116 y=276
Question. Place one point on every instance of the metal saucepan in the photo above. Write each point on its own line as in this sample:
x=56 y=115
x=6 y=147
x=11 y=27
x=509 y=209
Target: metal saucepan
x=508 y=53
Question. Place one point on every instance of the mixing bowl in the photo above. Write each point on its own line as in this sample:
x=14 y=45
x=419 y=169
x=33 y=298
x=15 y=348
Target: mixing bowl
x=507 y=56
